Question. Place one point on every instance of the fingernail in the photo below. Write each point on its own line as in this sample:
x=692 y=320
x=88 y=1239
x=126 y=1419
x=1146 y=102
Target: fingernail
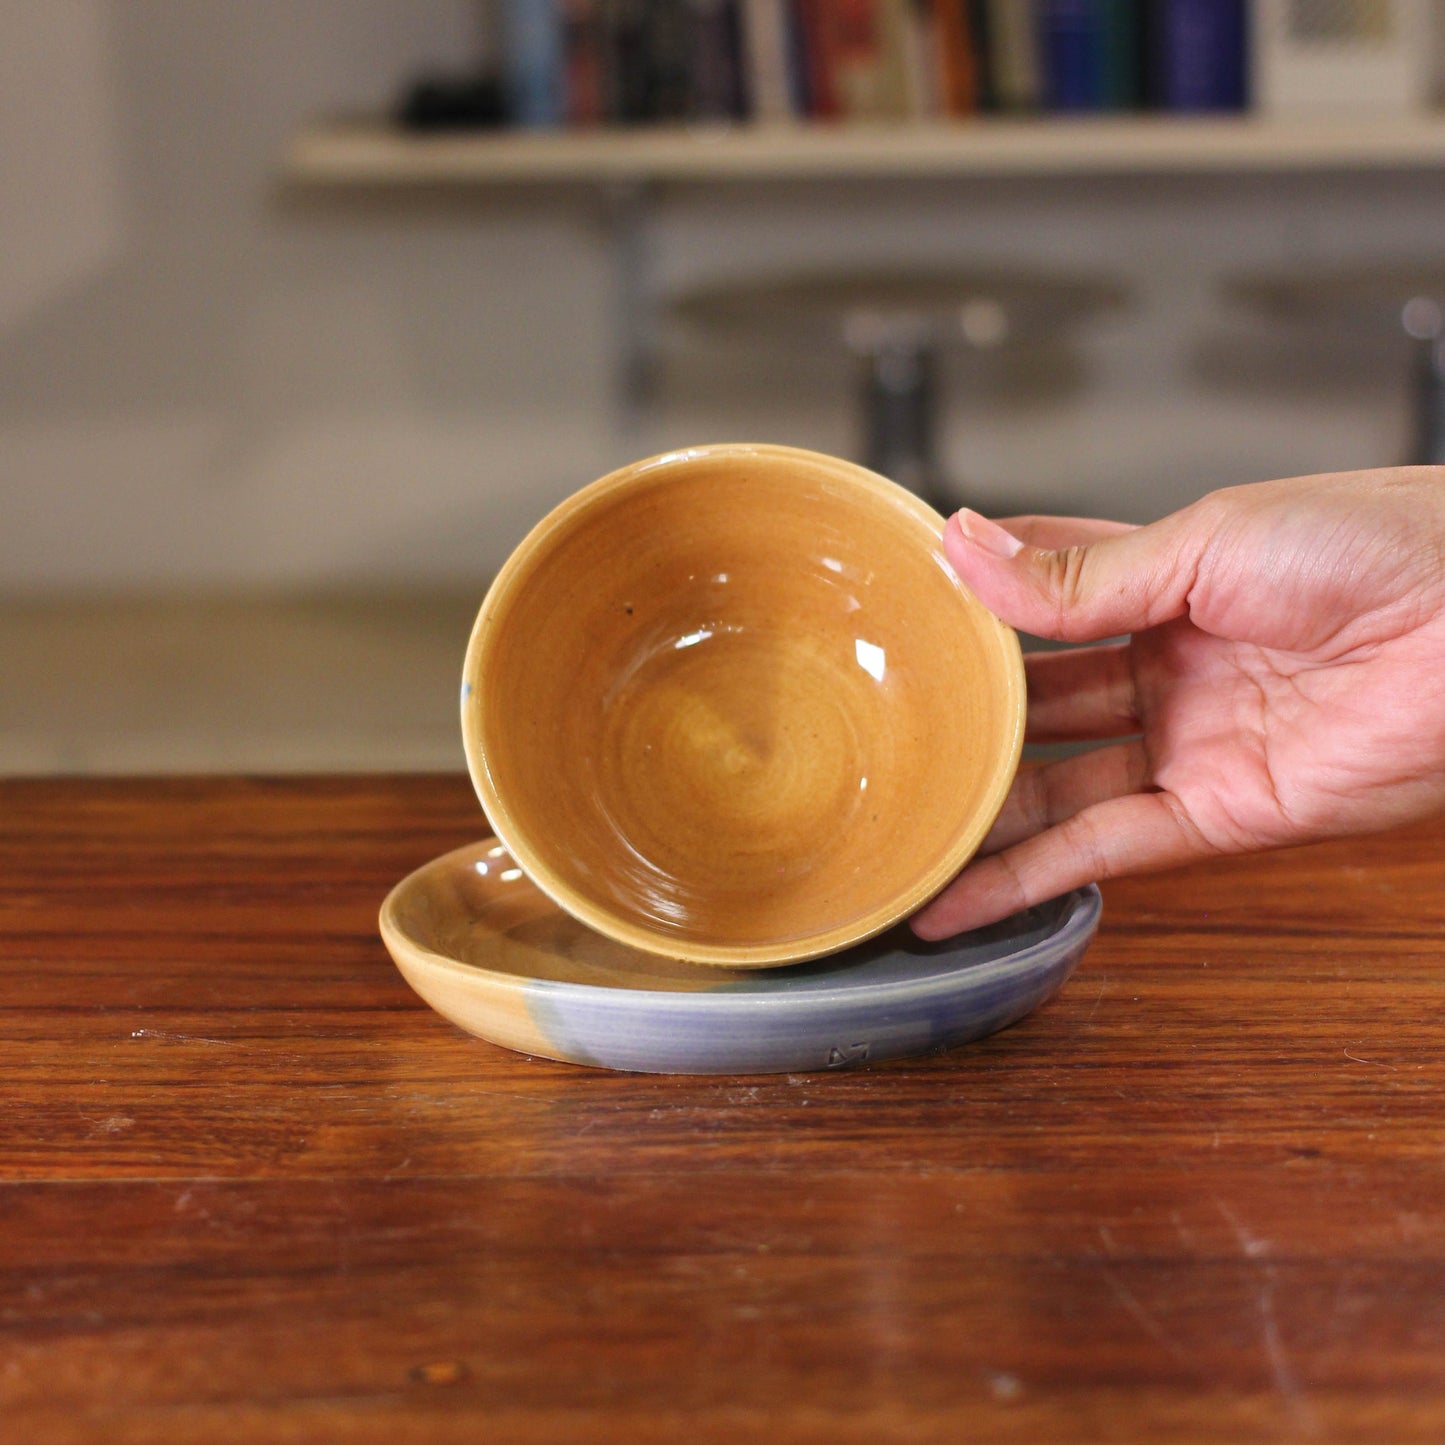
x=988 y=535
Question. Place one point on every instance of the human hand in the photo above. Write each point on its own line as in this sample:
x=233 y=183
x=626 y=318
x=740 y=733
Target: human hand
x=1284 y=680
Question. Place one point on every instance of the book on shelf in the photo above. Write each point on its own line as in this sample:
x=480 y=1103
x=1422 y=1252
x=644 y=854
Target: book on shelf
x=1199 y=54
x=717 y=86
x=769 y=66
x=533 y=62
x=582 y=63
x=911 y=38
x=1070 y=46
x=1008 y=40
x=627 y=85
x=953 y=56
x=1122 y=58
x=825 y=40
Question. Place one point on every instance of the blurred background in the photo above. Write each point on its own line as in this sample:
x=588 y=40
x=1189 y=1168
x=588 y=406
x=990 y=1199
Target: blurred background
x=266 y=433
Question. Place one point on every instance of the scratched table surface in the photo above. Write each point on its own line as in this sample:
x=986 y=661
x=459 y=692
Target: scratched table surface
x=252 y=1189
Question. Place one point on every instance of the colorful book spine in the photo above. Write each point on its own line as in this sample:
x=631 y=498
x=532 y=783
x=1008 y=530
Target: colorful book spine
x=585 y=62
x=717 y=87
x=1199 y=55
x=1092 y=54
x=1071 y=42
x=959 y=57
x=626 y=90
x=861 y=59
x=813 y=59
x=854 y=53
x=1011 y=75
x=668 y=61
x=1121 y=54
x=980 y=21
x=533 y=47
x=768 y=60
x=903 y=90
x=582 y=63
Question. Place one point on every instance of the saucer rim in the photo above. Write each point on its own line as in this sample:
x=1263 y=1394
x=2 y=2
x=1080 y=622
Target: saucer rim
x=1078 y=925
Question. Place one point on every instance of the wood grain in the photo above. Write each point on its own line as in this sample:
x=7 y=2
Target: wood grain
x=251 y=1188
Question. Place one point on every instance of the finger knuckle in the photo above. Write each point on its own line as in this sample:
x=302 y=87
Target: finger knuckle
x=1066 y=574
x=1087 y=844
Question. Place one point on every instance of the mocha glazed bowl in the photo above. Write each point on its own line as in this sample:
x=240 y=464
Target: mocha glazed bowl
x=731 y=705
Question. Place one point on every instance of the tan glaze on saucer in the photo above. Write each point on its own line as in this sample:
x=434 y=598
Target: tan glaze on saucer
x=474 y=907
x=731 y=705
x=472 y=935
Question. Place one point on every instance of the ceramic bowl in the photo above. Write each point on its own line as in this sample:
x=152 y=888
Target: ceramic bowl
x=490 y=952
x=731 y=705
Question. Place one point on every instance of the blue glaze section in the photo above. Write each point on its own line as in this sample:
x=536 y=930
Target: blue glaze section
x=890 y=998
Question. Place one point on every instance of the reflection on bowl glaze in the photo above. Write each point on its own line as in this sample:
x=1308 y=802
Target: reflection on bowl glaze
x=732 y=705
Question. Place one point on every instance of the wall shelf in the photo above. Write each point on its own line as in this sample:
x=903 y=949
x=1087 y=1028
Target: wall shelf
x=626 y=168
x=362 y=153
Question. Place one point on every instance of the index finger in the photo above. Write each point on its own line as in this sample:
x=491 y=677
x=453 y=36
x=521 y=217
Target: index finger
x=1141 y=833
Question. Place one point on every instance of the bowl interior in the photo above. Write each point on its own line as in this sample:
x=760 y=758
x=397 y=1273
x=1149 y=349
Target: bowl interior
x=733 y=705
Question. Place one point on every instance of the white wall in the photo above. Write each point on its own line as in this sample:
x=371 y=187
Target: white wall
x=207 y=379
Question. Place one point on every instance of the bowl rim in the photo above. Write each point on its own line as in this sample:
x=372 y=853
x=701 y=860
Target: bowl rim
x=532 y=860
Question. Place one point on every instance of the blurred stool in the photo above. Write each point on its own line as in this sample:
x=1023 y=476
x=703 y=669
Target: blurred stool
x=1408 y=301
x=899 y=325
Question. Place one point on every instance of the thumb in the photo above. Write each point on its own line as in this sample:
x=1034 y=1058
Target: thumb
x=1117 y=582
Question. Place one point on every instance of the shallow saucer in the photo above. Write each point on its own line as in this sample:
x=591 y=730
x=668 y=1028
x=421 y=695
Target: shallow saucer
x=489 y=951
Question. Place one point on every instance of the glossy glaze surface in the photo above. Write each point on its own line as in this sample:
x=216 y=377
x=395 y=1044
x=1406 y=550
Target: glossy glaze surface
x=732 y=705
x=493 y=954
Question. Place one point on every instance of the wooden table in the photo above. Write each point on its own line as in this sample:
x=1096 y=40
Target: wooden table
x=251 y=1189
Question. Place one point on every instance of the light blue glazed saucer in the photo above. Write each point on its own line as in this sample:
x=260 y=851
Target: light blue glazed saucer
x=486 y=949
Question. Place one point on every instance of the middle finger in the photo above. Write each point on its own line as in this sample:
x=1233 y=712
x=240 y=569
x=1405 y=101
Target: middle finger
x=1081 y=692
x=1045 y=796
